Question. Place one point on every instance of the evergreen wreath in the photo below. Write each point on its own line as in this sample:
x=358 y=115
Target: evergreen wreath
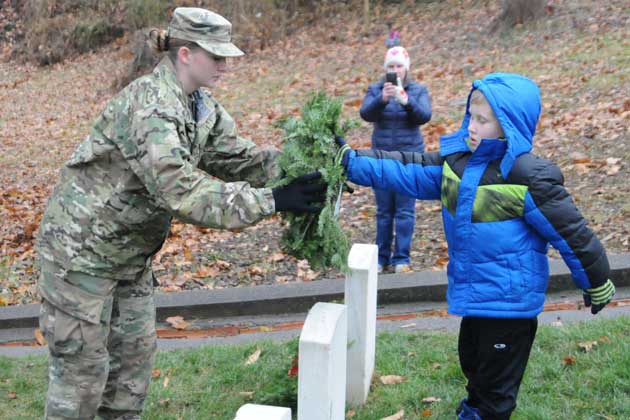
x=310 y=146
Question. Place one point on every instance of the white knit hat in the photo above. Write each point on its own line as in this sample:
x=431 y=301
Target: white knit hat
x=397 y=55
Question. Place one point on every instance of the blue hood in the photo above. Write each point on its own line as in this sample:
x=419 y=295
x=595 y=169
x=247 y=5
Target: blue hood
x=515 y=101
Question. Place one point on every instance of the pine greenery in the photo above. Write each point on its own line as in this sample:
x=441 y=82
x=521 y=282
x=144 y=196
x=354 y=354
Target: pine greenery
x=310 y=146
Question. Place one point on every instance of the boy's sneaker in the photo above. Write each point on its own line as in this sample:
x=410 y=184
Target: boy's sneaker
x=402 y=268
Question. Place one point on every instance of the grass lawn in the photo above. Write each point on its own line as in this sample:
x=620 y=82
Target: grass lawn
x=562 y=381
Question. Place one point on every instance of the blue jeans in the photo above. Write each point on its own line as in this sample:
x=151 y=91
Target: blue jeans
x=399 y=210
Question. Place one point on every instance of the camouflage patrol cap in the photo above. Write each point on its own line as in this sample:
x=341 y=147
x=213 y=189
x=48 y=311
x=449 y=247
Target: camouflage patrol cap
x=210 y=31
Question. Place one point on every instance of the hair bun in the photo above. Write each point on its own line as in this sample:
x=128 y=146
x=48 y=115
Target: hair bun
x=159 y=39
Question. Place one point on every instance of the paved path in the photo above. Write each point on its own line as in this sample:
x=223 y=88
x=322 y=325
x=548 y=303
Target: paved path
x=408 y=317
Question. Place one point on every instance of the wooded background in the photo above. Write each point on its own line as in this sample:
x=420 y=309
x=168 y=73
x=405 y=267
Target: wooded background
x=47 y=31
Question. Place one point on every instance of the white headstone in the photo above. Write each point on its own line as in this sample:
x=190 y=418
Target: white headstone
x=322 y=363
x=360 y=299
x=262 y=412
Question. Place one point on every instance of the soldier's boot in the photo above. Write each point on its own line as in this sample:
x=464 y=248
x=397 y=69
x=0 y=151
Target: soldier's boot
x=78 y=364
x=132 y=344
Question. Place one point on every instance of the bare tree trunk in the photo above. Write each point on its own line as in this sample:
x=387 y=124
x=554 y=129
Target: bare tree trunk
x=517 y=11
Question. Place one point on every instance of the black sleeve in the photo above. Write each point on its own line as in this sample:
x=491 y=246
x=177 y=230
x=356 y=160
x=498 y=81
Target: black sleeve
x=550 y=210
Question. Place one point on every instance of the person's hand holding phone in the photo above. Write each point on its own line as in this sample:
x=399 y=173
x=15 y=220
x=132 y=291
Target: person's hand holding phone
x=389 y=88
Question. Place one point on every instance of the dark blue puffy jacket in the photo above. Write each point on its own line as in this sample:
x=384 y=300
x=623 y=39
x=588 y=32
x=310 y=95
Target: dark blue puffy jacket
x=501 y=207
x=397 y=127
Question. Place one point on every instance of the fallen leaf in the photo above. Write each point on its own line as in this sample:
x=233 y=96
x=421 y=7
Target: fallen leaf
x=39 y=337
x=613 y=170
x=255 y=270
x=178 y=322
x=587 y=346
x=253 y=358
x=12 y=395
x=392 y=379
x=164 y=401
x=354 y=103
x=304 y=271
x=204 y=272
x=350 y=414
x=397 y=416
x=155 y=373
x=430 y=400
x=436 y=366
x=426 y=413
x=246 y=394
x=441 y=261
x=166 y=381
x=578 y=157
x=581 y=168
x=278 y=256
x=569 y=360
x=604 y=339
x=223 y=265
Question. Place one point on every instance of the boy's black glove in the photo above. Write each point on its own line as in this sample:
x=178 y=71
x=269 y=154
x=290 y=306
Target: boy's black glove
x=299 y=195
x=598 y=297
x=343 y=154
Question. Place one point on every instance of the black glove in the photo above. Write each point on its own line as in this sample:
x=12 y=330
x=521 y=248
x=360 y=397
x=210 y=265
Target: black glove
x=299 y=195
x=598 y=297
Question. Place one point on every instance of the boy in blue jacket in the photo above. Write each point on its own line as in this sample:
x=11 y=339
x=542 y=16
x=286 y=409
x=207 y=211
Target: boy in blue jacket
x=501 y=207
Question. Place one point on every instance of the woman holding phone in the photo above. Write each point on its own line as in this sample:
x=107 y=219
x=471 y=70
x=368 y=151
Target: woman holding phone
x=397 y=106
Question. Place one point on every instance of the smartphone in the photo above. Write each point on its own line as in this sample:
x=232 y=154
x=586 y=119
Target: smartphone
x=392 y=78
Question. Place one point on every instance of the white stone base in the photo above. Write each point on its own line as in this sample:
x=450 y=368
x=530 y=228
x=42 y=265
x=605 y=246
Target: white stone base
x=262 y=412
x=322 y=363
x=360 y=299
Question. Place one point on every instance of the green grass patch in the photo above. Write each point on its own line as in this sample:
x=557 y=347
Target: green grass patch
x=213 y=382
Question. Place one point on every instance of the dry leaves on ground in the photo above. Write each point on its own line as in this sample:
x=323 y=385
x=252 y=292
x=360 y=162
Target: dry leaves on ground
x=392 y=379
x=398 y=416
x=253 y=358
x=583 y=129
x=39 y=337
x=569 y=360
x=178 y=322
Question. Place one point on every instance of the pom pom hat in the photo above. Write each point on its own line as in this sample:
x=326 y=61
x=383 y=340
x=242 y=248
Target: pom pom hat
x=397 y=55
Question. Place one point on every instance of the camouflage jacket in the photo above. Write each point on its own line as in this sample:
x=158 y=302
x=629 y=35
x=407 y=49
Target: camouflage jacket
x=153 y=154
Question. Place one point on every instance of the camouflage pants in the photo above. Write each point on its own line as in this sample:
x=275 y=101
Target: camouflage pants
x=102 y=341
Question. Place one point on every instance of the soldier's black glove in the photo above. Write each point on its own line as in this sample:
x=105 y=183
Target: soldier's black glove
x=598 y=297
x=300 y=194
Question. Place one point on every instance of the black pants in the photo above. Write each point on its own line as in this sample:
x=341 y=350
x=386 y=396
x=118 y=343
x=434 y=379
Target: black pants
x=493 y=354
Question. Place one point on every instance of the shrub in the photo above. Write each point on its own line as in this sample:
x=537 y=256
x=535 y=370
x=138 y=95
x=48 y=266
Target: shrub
x=86 y=36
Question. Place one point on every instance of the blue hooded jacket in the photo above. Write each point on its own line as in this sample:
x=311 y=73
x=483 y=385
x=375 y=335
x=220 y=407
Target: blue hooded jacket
x=501 y=207
x=397 y=127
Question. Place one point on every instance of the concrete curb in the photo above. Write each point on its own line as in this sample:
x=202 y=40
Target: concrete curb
x=425 y=286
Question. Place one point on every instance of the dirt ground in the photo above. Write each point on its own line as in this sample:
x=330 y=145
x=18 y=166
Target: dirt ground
x=579 y=55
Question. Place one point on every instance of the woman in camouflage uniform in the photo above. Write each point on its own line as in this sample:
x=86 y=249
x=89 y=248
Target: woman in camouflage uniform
x=162 y=148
